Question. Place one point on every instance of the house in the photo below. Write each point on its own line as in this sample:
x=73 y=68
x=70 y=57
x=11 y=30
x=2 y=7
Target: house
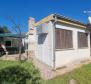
x=58 y=40
x=10 y=43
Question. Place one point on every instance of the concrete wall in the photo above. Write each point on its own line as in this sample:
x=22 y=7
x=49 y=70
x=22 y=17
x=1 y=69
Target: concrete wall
x=64 y=57
x=44 y=46
x=31 y=37
x=31 y=42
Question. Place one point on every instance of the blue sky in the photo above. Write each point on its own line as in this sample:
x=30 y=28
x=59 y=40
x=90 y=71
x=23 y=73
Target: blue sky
x=22 y=9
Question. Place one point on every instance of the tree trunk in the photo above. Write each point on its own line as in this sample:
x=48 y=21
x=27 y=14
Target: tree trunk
x=20 y=48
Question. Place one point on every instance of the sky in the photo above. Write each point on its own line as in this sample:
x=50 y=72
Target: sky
x=21 y=10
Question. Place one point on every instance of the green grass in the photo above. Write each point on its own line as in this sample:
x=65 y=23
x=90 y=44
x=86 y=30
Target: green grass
x=15 y=72
x=81 y=75
x=26 y=65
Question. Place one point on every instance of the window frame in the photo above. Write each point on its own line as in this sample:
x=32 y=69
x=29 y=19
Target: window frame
x=80 y=47
x=8 y=41
x=62 y=49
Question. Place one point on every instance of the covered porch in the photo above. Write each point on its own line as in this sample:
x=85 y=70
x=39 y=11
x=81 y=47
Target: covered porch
x=10 y=42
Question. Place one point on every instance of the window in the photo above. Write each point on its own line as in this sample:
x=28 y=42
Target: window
x=8 y=43
x=82 y=40
x=63 y=39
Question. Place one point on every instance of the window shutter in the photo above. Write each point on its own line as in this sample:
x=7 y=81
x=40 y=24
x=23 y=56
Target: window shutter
x=82 y=39
x=63 y=39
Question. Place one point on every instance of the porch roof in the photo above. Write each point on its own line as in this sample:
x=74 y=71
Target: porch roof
x=12 y=35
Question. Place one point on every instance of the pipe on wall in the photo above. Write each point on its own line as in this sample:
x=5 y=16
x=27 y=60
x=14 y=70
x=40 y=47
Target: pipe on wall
x=54 y=26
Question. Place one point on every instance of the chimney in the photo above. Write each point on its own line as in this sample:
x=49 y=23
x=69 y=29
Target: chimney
x=89 y=18
x=31 y=21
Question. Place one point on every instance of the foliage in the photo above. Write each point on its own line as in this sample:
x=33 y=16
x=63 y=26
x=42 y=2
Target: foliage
x=14 y=75
x=81 y=76
x=4 y=29
x=18 y=73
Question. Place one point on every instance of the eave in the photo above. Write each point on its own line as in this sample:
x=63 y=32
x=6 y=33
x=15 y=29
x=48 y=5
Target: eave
x=61 y=19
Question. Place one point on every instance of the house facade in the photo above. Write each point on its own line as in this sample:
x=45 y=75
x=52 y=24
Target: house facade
x=10 y=43
x=60 y=41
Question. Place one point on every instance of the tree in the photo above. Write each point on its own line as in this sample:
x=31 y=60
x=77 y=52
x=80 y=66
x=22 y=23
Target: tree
x=6 y=30
x=17 y=27
x=3 y=29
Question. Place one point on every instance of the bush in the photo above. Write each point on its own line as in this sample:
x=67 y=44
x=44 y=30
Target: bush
x=19 y=75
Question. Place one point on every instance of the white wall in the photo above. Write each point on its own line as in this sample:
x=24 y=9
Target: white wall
x=44 y=51
x=31 y=42
x=64 y=57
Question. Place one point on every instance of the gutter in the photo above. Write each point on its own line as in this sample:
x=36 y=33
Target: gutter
x=54 y=26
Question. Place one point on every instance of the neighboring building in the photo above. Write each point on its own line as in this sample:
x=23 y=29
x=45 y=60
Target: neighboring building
x=25 y=43
x=11 y=45
x=11 y=42
x=59 y=41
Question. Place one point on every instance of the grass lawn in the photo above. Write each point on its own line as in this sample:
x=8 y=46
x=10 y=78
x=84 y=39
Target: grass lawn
x=81 y=75
x=6 y=63
x=15 y=72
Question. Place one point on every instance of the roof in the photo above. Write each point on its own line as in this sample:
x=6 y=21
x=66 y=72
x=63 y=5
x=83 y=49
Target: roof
x=62 y=19
x=11 y=35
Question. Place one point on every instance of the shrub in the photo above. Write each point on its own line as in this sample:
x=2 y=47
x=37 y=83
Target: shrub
x=19 y=75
